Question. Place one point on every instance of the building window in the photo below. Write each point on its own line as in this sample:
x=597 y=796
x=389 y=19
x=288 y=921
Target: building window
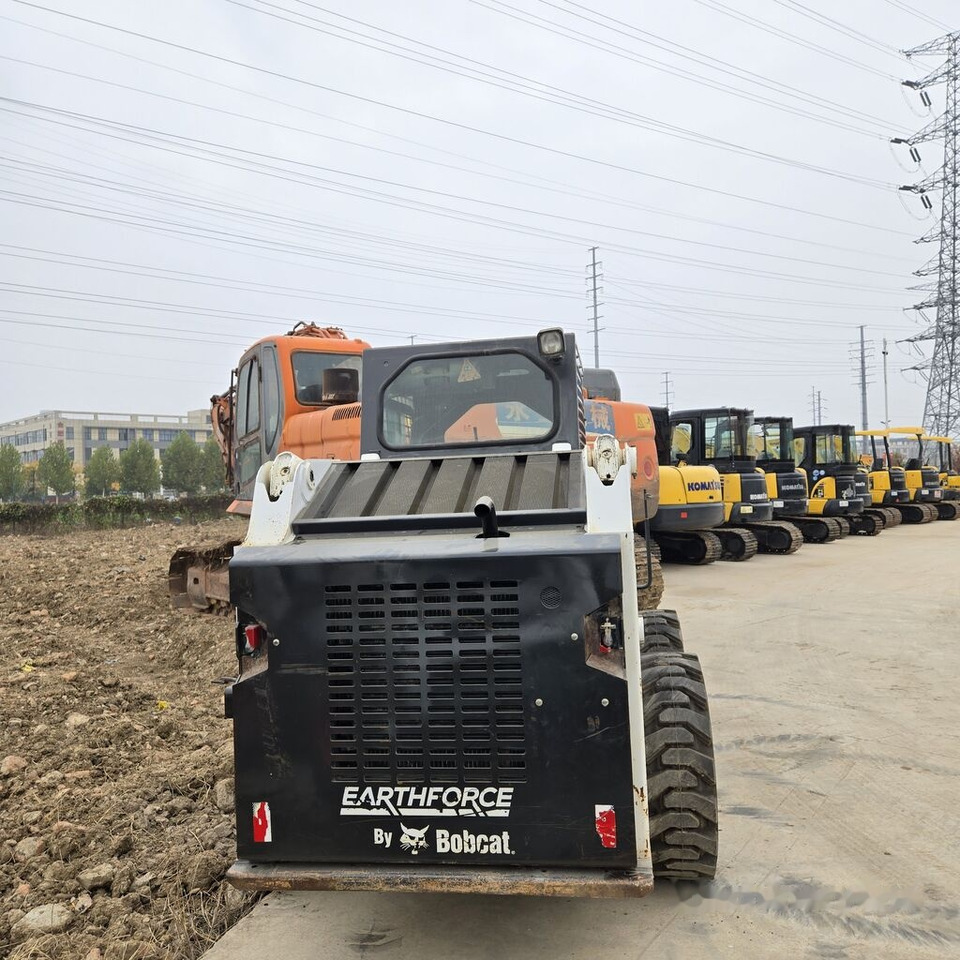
x=87 y=433
x=69 y=433
x=102 y=433
x=71 y=453
x=166 y=436
x=148 y=435
x=87 y=454
x=123 y=435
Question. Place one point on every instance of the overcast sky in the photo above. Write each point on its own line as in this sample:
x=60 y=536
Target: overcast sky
x=180 y=179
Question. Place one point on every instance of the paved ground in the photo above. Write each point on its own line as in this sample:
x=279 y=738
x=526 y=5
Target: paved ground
x=833 y=677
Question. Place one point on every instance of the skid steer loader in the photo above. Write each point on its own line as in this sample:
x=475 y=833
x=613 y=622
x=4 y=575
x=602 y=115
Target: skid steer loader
x=445 y=683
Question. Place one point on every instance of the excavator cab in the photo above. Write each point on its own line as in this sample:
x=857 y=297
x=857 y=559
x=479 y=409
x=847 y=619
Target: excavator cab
x=923 y=479
x=720 y=437
x=445 y=683
x=888 y=481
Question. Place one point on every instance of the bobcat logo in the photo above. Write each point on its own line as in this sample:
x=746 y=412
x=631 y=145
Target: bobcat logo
x=413 y=840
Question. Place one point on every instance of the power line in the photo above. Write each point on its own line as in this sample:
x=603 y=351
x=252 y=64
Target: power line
x=408 y=111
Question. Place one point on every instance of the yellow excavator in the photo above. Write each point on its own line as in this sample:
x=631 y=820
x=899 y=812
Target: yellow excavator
x=771 y=442
x=888 y=482
x=827 y=454
x=718 y=437
x=949 y=478
x=923 y=479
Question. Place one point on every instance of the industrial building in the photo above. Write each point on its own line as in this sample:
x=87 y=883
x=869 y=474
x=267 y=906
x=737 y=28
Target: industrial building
x=82 y=433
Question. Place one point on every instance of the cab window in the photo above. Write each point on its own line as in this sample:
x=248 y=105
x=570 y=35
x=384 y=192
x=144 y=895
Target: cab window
x=681 y=440
x=271 y=398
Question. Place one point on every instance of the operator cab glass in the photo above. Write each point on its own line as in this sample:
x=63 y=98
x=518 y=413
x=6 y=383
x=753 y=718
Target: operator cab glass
x=309 y=367
x=771 y=439
x=478 y=399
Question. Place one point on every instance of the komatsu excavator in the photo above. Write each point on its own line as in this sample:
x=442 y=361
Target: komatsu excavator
x=923 y=479
x=888 y=482
x=718 y=437
x=771 y=441
x=690 y=501
x=827 y=454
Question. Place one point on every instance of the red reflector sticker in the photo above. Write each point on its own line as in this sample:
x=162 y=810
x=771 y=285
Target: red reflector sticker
x=606 y=820
x=262 y=825
x=683 y=514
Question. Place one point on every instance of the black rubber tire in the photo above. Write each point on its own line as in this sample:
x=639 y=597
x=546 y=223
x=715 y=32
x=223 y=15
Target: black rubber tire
x=648 y=598
x=681 y=775
x=661 y=632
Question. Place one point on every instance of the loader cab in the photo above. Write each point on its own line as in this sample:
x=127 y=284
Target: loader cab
x=280 y=379
x=473 y=398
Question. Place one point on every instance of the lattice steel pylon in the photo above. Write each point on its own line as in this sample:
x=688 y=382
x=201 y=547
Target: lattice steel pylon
x=941 y=415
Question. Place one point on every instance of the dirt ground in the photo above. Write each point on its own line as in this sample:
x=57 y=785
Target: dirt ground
x=115 y=791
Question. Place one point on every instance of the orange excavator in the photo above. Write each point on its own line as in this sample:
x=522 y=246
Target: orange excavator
x=299 y=392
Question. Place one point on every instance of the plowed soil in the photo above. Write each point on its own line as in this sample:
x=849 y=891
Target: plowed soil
x=115 y=790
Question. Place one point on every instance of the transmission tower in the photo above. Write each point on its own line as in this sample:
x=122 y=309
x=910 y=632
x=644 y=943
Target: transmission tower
x=941 y=413
x=667 y=389
x=594 y=290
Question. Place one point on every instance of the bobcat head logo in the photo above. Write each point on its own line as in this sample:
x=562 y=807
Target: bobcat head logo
x=413 y=840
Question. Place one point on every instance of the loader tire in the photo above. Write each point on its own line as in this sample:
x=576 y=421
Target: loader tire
x=661 y=632
x=681 y=777
x=649 y=597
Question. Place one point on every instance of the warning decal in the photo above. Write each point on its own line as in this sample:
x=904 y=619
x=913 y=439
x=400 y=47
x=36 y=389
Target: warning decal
x=468 y=371
x=262 y=825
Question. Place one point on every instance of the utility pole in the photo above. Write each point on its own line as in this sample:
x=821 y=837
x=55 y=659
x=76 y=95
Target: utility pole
x=666 y=389
x=941 y=414
x=594 y=276
x=886 y=388
x=863 y=380
x=813 y=405
x=819 y=409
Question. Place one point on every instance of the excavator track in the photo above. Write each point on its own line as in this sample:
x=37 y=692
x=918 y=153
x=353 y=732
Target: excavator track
x=917 y=513
x=694 y=547
x=948 y=510
x=870 y=523
x=649 y=597
x=198 y=580
x=738 y=543
x=817 y=529
x=777 y=536
x=844 y=526
x=891 y=516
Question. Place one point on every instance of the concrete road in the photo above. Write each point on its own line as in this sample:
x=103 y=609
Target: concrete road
x=834 y=678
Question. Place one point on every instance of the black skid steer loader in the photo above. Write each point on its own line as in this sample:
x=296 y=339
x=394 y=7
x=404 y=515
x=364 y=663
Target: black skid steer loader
x=445 y=683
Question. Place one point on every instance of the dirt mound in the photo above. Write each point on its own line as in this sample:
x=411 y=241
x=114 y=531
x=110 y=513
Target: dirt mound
x=115 y=793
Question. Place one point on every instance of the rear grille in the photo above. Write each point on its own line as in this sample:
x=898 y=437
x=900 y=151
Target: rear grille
x=425 y=682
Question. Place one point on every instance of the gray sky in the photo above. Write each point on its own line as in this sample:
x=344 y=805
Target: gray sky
x=439 y=169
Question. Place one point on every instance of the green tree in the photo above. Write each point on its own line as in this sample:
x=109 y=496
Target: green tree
x=212 y=471
x=55 y=470
x=103 y=471
x=139 y=470
x=182 y=465
x=12 y=476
